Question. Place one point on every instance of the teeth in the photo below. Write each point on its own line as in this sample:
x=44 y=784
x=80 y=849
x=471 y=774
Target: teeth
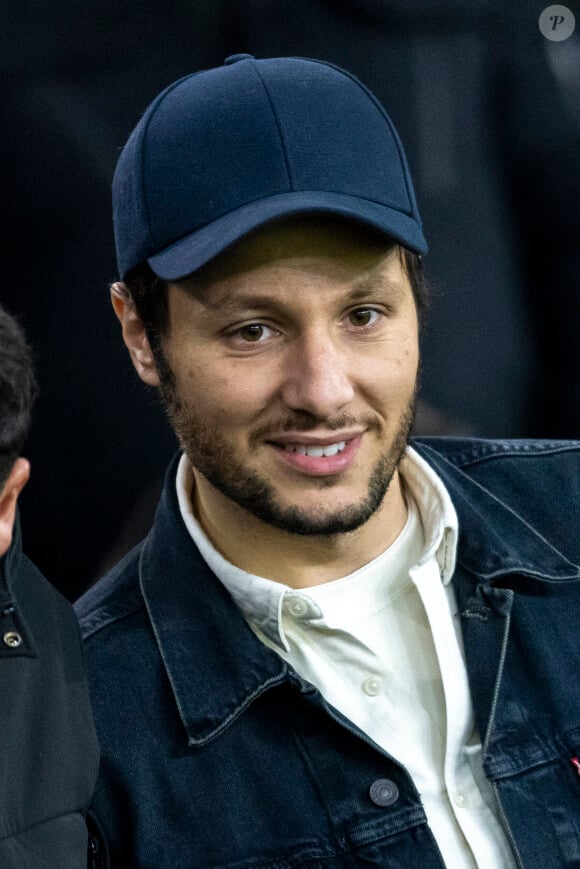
x=333 y=449
x=328 y=450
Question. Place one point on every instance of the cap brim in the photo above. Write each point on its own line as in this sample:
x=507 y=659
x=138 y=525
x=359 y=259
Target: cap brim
x=195 y=250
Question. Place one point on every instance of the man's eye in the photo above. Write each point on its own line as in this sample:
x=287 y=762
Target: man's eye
x=363 y=317
x=253 y=332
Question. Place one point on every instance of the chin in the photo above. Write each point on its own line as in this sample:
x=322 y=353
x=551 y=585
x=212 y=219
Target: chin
x=319 y=520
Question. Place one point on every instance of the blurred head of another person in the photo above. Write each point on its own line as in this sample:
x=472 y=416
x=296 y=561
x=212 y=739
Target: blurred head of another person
x=18 y=390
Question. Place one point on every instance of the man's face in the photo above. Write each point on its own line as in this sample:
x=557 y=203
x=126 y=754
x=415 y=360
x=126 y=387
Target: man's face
x=300 y=340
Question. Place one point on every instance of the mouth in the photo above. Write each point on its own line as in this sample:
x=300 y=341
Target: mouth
x=317 y=459
x=326 y=450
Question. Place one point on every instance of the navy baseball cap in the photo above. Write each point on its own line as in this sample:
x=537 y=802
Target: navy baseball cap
x=225 y=151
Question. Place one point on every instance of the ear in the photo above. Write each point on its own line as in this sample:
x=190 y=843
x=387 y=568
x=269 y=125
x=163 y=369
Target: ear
x=134 y=335
x=8 y=497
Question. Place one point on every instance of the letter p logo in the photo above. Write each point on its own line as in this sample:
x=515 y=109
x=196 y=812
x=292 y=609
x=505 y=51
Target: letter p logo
x=557 y=23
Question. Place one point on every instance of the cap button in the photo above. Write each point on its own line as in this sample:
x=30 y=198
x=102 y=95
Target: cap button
x=234 y=58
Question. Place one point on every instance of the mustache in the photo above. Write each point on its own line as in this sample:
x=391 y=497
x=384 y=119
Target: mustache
x=303 y=421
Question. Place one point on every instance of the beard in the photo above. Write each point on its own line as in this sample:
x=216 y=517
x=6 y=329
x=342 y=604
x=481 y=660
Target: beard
x=213 y=456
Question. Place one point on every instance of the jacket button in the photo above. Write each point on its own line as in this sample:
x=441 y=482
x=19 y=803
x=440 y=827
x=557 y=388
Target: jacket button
x=12 y=639
x=384 y=792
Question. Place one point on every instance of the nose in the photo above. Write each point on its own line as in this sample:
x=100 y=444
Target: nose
x=317 y=376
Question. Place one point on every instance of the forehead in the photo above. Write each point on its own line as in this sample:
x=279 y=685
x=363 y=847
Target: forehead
x=336 y=248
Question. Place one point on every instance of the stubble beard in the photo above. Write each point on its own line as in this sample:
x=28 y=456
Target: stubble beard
x=211 y=454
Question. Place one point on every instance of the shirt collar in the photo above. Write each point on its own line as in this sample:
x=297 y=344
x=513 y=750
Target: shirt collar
x=263 y=601
x=438 y=515
x=259 y=599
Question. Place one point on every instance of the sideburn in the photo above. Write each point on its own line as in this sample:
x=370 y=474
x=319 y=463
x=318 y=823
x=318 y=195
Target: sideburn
x=167 y=386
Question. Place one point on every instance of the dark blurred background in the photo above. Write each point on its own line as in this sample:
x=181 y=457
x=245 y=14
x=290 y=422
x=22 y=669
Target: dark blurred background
x=489 y=112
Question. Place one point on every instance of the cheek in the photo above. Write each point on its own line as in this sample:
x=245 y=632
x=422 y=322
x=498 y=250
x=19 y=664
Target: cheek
x=230 y=395
x=197 y=380
x=406 y=363
x=393 y=373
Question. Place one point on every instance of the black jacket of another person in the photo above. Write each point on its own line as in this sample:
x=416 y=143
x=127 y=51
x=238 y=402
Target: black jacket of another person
x=48 y=748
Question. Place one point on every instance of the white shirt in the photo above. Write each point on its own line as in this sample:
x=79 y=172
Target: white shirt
x=383 y=646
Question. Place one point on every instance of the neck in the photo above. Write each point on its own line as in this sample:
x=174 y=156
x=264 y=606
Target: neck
x=296 y=560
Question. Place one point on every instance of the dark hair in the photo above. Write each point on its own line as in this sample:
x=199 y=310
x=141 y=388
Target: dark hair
x=149 y=295
x=18 y=389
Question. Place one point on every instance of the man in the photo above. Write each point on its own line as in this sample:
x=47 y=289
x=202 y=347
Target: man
x=333 y=648
x=49 y=753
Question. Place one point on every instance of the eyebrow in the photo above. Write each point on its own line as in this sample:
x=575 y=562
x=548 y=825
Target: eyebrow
x=370 y=284
x=375 y=282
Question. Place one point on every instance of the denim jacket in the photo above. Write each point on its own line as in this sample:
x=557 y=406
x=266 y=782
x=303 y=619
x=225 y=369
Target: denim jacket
x=215 y=753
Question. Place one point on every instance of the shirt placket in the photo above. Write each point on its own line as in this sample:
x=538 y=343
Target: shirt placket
x=484 y=838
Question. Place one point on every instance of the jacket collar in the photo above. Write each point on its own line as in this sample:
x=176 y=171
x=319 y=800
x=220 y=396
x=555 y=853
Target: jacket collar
x=494 y=541
x=215 y=663
x=9 y=563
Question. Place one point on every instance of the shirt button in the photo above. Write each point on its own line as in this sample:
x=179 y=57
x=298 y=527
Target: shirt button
x=460 y=798
x=384 y=792
x=372 y=686
x=12 y=639
x=297 y=607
